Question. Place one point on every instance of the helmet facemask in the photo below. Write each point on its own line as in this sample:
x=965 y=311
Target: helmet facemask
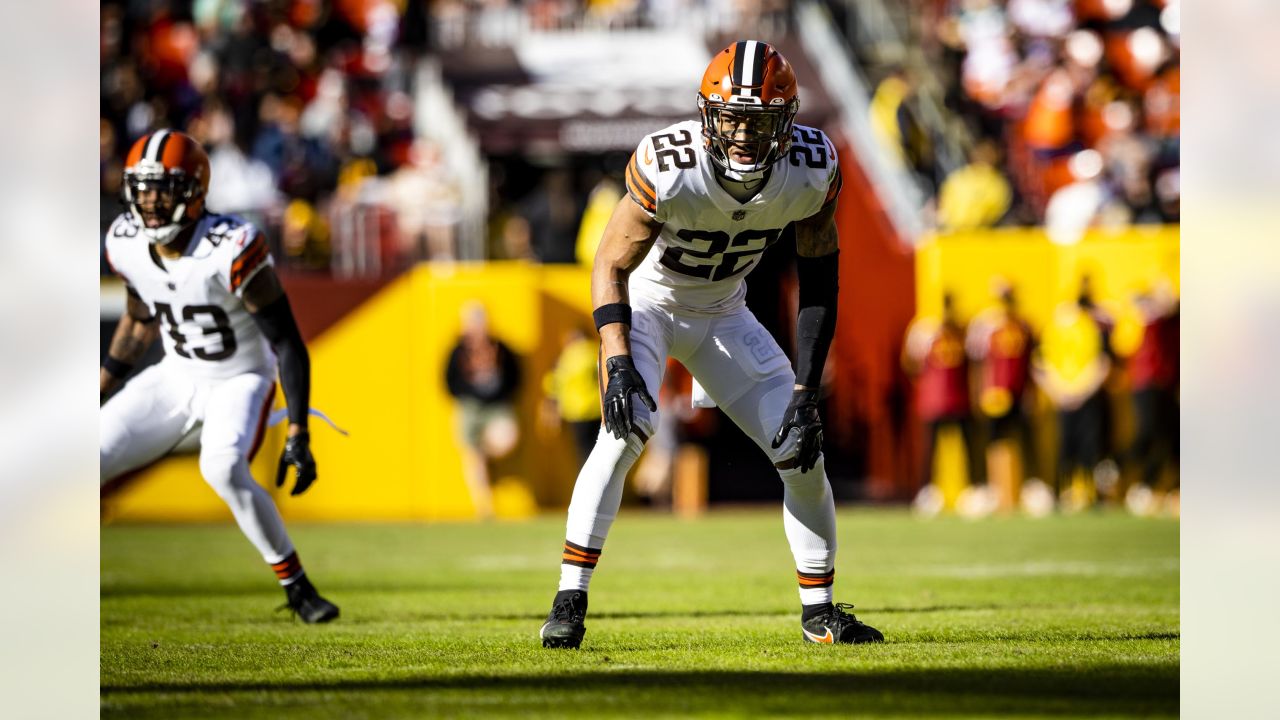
x=744 y=137
x=158 y=199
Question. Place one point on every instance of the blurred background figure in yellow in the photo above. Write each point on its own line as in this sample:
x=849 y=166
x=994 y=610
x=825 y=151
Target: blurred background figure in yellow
x=895 y=122
x=999 y=343
x=1153 y=378
x=1071 y=366
x=483 y=375
x=934 y=355
x=572 y=390
x=601 y=201
x=976 y=195
x=305 y=236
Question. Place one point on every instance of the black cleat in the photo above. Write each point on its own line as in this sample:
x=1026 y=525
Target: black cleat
x=834 y=625
x=564 y=627
x=306 y=603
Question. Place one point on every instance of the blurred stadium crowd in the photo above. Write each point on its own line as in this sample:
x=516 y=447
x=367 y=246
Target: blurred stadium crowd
x=1057 y=112
x=306 y=107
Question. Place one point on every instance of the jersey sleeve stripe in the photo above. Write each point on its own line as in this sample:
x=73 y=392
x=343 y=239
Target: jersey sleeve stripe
x=251 y=256
x=245 y=265
x=254 y=245
x=834 y=188
x=637 y=187
x=638 y=195
x=643 y=181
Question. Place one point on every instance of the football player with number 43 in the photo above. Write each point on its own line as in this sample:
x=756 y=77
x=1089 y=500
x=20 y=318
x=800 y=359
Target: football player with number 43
x=704 y=202
x=206 y=281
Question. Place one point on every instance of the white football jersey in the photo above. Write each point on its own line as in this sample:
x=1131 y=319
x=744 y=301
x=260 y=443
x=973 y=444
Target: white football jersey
x=709 y=241
x=204 y=324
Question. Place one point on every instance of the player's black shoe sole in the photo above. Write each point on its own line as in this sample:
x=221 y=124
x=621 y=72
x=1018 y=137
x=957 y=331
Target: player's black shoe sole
x=305 y=602
x=838 y=626
x=564 y=627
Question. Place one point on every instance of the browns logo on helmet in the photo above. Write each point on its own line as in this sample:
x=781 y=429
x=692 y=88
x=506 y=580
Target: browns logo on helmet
x=748 y=103
x=166 y=177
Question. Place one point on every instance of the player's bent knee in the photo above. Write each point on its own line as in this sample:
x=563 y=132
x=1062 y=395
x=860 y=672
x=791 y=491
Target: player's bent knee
x=814 y=480
x=222 y=470
x=643 y=425
x=642 y=428
x=770 y=408
x=620 y=448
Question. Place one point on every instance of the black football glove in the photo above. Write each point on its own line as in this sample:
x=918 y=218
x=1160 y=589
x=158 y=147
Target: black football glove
x=297 y=452
x=624 y=381
x=802 y=416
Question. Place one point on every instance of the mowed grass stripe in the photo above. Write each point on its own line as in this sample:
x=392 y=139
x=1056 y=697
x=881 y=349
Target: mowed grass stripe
x=1063 y=617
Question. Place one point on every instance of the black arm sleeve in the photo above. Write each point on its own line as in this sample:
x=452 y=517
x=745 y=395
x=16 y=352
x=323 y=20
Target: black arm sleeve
x=510 y=371
x=816 y=324
x=453 y=379
x=277 y=324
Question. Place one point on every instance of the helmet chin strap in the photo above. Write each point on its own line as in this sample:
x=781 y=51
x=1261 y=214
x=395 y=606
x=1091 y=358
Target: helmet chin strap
x=165 y=233
x=742 y=176
x=161 y=235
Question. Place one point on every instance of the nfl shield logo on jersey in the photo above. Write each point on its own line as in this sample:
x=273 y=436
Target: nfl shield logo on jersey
x=739 y=214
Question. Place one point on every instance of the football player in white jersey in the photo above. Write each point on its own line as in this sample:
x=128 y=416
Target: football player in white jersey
x=705 y=200
x=204 y=283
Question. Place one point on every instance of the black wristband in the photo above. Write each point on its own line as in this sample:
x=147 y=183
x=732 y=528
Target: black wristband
x=117 y=369
x=612 y=313
x=806 y=396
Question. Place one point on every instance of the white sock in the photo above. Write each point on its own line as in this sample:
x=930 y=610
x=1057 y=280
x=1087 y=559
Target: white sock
x=597 y=493
x=809 y=518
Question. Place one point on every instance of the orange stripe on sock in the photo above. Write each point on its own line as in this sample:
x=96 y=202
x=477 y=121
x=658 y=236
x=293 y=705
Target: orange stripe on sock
x=576 y=558
x=809 y=580
x=574 y=551
x=287 y=567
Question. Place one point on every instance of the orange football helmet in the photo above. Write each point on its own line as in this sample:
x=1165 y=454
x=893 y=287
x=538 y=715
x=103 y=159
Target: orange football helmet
x=748 y=103
x=166 y=177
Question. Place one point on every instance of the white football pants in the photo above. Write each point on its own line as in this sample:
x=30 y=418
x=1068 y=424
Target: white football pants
x=161 y=405
x=743 y=370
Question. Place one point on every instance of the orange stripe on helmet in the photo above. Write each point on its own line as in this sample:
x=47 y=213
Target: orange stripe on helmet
x=135 y=152
x=771 y=76
x=175 y=153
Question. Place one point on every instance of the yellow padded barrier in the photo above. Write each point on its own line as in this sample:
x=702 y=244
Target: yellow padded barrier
x=379 y=373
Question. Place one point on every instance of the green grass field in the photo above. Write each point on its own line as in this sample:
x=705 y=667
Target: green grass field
x=1067 y=616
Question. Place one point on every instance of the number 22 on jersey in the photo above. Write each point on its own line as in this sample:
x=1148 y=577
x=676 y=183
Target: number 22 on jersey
x=714 y=255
